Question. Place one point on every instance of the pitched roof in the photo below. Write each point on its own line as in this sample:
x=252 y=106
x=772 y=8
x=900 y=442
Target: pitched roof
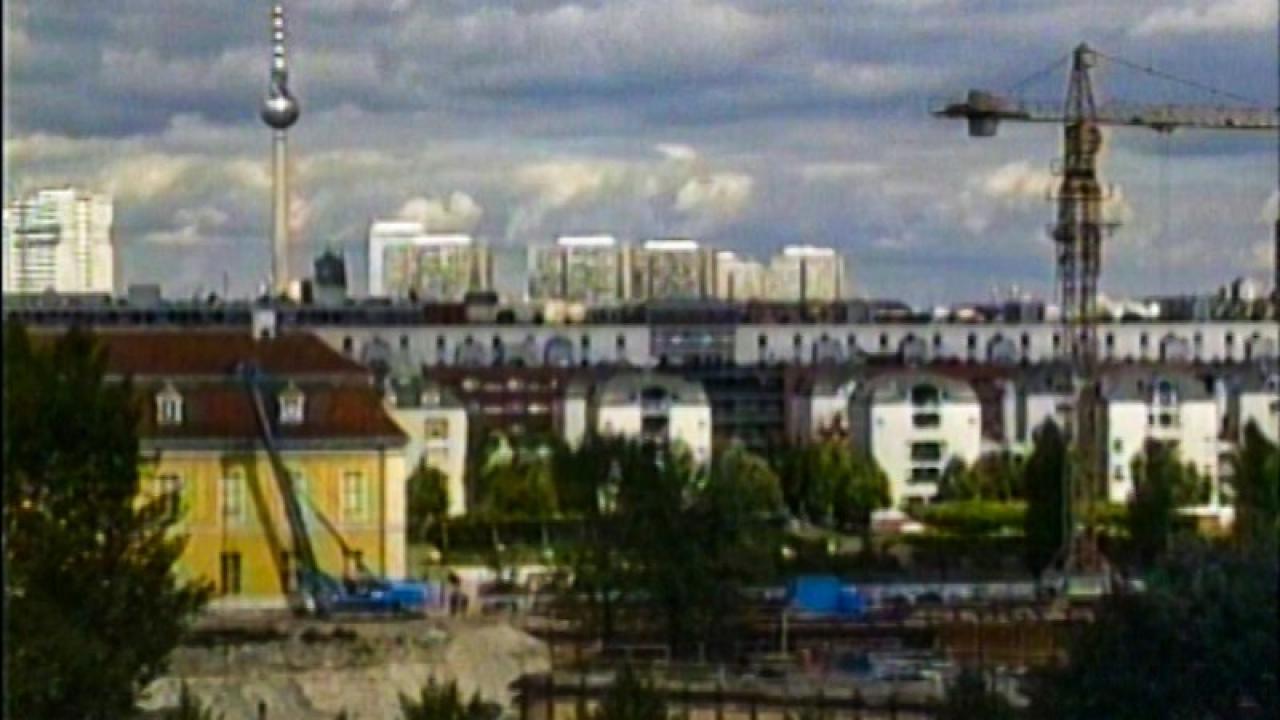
x=225 y=412
x=190 y=353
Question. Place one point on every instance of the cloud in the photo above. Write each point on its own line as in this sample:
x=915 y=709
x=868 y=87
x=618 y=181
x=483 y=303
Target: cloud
x=1209 y=16
x=455 y=212
x=1019 y=180
x=1270 y=210
x=721 y=194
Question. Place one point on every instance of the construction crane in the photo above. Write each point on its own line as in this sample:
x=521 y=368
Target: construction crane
x=316 y=592
x=1078 y=234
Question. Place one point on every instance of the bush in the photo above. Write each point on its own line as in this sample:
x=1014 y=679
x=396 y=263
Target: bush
x=972 y=517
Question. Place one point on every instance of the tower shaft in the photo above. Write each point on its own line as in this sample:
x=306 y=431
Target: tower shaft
x=279 y=211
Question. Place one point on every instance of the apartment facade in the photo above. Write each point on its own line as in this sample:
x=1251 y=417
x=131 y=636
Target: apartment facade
x=405 y=261
x=59 y=240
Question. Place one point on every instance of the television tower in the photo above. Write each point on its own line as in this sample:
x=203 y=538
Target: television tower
x=279 y=111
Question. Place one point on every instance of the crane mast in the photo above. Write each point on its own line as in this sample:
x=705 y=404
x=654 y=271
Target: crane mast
x=1077 y=236
x=1078 y=233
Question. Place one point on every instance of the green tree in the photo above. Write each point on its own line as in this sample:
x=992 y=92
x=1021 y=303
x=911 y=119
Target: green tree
x=630 y=698
x=829 y=483
x=1161 y=484
x=750 y=478
x=1044 y=528
x=428 y=499
x=443 y=702
x=1201 y=642
x=970 y=697
x=94 y=604
x=1256 y=481
x=522 y=488
x=995 y=476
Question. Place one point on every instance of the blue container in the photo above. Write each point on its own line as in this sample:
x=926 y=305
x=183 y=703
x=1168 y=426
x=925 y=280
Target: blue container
x=818 y=594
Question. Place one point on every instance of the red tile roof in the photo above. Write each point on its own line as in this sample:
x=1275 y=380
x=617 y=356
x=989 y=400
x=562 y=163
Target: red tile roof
x=226 y=412
x=188 y=353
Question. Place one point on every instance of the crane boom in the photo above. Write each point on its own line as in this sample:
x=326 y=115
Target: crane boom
x=985 y=110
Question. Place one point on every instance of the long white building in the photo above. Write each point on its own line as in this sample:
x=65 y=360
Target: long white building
x=59 y=240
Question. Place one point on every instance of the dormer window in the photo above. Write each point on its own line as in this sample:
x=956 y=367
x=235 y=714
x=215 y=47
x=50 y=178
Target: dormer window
x=169 y=406
x=292 y=406
x=1165 y=394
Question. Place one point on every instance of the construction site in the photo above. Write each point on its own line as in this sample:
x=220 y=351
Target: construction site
x=356 y=634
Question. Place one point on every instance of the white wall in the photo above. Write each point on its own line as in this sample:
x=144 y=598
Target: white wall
x=1208 y=342
x=448 y=455
x=691 y=427
x=1129 y=428
x=893 y=431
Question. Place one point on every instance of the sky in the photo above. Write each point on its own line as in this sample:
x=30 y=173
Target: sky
x=747 y=124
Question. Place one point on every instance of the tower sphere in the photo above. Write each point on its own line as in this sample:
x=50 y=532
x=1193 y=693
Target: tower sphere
x=280 y=110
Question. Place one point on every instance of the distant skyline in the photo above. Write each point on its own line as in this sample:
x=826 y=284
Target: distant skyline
x=743 y=123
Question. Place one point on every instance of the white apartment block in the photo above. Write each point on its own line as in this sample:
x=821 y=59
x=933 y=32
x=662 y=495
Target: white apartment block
x=1160 y=405
x=656 y=408
x=436 y=425
x=1007 y=344
x=806 y=273
x=738 y=279
x=404 y=259
x=914 y=423
x=591 y=269
x=672 y=269
x=59 y=240
x=1258 y=398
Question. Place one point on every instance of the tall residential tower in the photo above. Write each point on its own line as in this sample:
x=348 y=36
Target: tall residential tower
x=59 y=240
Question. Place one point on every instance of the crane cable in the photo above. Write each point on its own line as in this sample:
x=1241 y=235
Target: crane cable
x=1153 y=72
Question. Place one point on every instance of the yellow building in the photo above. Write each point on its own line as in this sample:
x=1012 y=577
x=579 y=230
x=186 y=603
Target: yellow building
x=205 y=459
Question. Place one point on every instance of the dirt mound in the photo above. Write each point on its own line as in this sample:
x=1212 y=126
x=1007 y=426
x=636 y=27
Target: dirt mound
x=313 y=673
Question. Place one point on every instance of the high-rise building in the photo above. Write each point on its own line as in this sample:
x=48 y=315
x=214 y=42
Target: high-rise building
x=738 y=279
x=806 y=273
x=579 y=268
x=673 y=269
x=406 y=260
x=60 y=240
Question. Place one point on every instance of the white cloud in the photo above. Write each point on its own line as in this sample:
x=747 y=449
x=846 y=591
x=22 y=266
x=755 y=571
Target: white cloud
x=676 y=151
x=1209 y=16
x=721 y=194
x=144 y=177
x=1019 y=180
x=455 y=212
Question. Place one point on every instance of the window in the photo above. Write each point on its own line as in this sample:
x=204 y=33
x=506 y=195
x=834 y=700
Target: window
x=169 y=407
x=762 y=341
x=347 y=345
x=436 y=429
x=230 y=574
x=404 y=342
x=622 y=342
x=925 y=474
x=926 y=420
x=233 y=505
x=926 y=451
x=301 y=485
x=355 y=497
x=925 y=395
x=292 y=406
x=169 y=493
